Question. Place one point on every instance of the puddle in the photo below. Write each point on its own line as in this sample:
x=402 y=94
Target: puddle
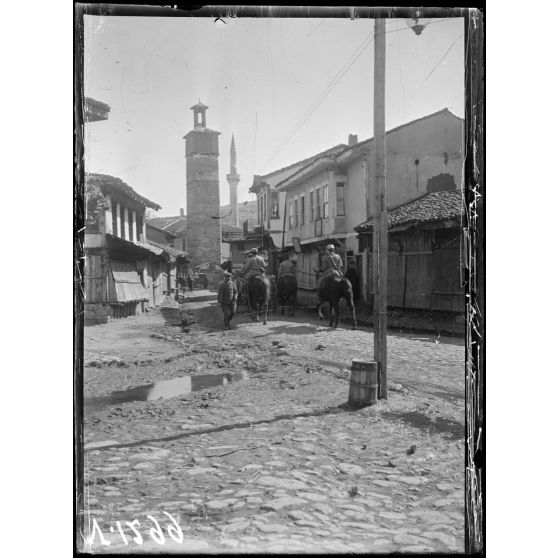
x=163 y=390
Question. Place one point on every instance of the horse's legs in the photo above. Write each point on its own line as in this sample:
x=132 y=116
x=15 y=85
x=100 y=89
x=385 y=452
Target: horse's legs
x=353 y=314
x=335 y=315
x=265 y=313
x=282 y=303
x=320 y=315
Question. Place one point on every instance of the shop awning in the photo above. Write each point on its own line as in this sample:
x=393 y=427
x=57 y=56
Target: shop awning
x=127 y=283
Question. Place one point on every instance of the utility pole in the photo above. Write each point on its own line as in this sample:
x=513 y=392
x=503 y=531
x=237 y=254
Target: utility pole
x=378 y=198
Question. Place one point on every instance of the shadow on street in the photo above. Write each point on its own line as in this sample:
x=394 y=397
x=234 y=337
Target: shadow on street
x=440 y=425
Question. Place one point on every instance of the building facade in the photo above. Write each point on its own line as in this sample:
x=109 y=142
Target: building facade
x=328 y=197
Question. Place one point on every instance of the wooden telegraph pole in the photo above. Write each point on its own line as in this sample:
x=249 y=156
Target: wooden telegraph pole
x=378 y=198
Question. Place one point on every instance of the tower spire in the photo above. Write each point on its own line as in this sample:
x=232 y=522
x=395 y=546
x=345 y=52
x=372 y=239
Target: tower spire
x=233 y=156
x=233 y=179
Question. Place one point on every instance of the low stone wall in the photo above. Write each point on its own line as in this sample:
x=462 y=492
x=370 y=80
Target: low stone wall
x=97 y=313
x=405 y=319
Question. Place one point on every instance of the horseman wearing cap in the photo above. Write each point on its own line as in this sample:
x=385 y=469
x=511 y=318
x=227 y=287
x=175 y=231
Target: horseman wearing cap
x=255 y=265
x=332 y=264
x=287 y=267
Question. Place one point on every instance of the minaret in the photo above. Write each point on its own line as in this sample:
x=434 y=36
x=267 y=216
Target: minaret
x=233 y=179
x=203 y=224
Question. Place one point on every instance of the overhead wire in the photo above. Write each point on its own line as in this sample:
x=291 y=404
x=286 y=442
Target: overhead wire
x=352 y=59
x=323 y=95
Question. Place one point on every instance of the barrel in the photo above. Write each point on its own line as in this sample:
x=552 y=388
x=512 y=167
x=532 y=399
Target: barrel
x=363 y=389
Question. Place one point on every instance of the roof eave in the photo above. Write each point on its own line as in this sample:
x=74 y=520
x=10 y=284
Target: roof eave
x=305 y=173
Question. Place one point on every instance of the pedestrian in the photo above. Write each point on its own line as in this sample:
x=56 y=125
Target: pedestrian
x=190 y=282
x=332 y=264
x=227 y=298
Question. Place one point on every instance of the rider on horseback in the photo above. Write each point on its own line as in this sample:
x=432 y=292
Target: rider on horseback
x=255 y=265
x=287 y=267
x=332 y=264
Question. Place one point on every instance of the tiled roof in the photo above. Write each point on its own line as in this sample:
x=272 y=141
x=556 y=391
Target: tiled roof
x=175 y=225
x=336 y=149
x=152 y=226
x=437 y=206
x=170 y=250
x=226 y=228
x=107 y=182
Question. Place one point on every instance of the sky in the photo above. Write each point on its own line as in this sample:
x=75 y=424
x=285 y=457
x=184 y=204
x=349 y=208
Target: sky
x=260 y=77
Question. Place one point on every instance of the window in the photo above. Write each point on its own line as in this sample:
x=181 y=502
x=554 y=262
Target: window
x=325 y=197
x=318 y=208
x=312 y=207
x=296 y=213
x=302 y=209
x=291 y=216
x=275 y=205
x=130 y=224
x=340 y=198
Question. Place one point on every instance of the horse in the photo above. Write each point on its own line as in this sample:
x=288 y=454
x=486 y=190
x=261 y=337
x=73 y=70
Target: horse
x=259 y=291
x=332 y=291
x=286 y=293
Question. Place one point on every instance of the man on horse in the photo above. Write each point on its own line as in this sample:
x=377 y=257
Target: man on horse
x=287 y=267
x=257 y=285
x=287 y=283
x=332 y=264
x=255 y=264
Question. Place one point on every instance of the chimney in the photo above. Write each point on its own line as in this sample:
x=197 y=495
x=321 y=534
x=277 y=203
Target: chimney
x=353 y=140
x=181 y=212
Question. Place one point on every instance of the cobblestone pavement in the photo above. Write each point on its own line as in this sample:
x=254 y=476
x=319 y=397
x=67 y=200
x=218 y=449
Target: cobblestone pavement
x=277 y=462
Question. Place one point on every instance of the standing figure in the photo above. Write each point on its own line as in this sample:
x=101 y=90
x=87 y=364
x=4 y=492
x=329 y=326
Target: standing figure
x=227 y=297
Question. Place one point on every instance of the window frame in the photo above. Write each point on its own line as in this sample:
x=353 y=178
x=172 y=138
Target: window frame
x=343 y=186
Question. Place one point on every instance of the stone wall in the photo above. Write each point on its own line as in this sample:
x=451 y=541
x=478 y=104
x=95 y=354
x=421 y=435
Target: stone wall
x=97 y=313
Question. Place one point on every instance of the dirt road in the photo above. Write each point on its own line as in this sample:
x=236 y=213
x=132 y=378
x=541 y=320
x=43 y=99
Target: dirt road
x=273 y=459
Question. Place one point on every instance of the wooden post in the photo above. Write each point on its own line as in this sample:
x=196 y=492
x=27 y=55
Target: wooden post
x=380 y=233
x=108 y=217
x=118 y=224
x=126 y=224
x=134 y=225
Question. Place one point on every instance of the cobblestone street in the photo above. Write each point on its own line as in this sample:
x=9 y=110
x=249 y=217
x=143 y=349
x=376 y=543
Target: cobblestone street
x=273 y=460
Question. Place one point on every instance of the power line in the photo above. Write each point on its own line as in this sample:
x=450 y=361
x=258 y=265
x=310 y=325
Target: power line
x=438 y=63
x=352 y=59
